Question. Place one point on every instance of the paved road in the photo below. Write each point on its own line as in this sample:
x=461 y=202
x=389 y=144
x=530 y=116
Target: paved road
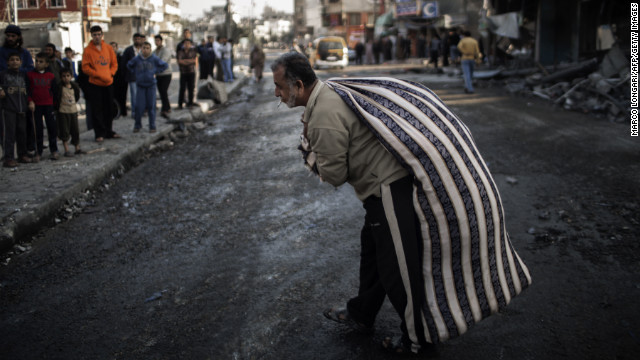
x=225 y=248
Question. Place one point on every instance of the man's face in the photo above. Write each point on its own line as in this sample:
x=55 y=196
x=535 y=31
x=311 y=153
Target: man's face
x=187 y=45
x=187 y=34
x=68 y=54
x=158 y=42
x=210 y=38
x=146 y=50
x=11 y=39
x=96 y=37
x=288 y=94
x=138 y=40
x=49 y=51
x=14 y=63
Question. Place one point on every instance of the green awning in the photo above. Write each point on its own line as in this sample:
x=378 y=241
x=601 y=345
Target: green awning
x=383 y=23
x=385 y=20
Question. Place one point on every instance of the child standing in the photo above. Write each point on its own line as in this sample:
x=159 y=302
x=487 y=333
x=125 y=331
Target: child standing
x=42 y=84
x=146 y=65
x=67 y=112
x=13 y=122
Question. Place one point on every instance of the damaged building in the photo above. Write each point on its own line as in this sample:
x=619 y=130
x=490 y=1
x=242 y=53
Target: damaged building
x=572 y=53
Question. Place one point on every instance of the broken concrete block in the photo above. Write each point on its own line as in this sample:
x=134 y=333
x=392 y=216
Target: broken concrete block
x=180 y=116
x=198 y=125
x=196 y=113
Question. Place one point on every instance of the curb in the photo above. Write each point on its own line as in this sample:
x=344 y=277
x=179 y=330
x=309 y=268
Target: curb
x=34 y=211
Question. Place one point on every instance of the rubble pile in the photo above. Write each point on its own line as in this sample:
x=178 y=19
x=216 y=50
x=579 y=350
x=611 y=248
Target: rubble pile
x=602 y=89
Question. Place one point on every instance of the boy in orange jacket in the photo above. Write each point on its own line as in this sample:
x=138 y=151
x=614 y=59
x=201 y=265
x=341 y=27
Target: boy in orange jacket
x=99 y=63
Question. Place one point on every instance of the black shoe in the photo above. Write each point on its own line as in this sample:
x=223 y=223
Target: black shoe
x=342 y=316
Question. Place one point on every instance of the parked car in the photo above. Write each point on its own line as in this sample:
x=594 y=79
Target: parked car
x=329 y=51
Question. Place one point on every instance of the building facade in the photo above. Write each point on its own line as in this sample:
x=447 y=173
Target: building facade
x=66 y=23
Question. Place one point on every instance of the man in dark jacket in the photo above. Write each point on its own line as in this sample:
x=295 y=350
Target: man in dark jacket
x=13 y=43
x=207 y=58
x=129 y=53
x=120 y=80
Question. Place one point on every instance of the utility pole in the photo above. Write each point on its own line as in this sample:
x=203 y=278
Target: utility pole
x=227 y=19
x=13 y=11
x=251 y=37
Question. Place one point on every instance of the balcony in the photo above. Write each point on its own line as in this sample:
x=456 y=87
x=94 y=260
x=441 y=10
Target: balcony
x=130 y=11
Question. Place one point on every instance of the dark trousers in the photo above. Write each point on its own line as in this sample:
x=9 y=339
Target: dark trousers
x=68 y=127
x=219 y=70
x=188 y=83
x=100 y=98
x=380 y=272
x=434 y=58
x=163 y=82
x=120 y=95
x=13 y=131
x=46 y=112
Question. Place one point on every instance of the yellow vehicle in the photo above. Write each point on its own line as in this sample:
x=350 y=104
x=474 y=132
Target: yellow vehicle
x=329 y=51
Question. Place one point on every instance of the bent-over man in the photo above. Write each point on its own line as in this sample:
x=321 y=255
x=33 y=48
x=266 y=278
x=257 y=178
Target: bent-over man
x=434 y=239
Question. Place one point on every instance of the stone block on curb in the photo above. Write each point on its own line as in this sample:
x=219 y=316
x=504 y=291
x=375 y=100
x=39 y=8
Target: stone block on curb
x=196 y=112
x=180 y=116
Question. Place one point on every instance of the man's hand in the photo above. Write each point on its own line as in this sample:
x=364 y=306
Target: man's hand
x=2 y=94
x=32 y=105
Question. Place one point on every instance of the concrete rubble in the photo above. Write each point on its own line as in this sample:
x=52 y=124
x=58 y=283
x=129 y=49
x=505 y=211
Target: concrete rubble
x=600 y=88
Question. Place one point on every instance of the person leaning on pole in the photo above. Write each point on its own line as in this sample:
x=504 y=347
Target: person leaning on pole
x=99 y=63
x=433 y=239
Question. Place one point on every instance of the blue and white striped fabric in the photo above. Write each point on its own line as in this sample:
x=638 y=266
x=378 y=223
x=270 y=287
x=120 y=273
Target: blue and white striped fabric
x=470 y=268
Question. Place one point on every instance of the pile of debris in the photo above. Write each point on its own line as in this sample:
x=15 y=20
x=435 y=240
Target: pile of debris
x=601 y=89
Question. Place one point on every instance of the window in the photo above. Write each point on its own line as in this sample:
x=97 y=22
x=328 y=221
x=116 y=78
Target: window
x=354 y=19
x=57 y=3
x=27 y=4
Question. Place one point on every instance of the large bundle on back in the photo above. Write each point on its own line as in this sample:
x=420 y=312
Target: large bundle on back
x=470 y=268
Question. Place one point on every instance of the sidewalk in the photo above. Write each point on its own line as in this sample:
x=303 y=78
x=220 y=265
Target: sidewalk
x=33 y=194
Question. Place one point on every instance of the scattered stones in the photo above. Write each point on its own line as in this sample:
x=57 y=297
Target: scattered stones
x=511 y=180
x=544 y=215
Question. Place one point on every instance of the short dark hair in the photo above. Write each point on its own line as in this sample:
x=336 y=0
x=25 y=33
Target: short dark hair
x=139 y=35
x=146 y=43
x=95 y=28
x=42 y=55
x=68 y=49
x=158 y=36
x=14 y=54
x=187 y=40
x=296 y=67
x=52 y=46
x=65 y=71
x=466 y=33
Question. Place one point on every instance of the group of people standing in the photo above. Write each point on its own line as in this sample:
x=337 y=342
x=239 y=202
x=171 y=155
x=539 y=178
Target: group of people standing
x=453 y=47
x=50 y=89
x=31 y=92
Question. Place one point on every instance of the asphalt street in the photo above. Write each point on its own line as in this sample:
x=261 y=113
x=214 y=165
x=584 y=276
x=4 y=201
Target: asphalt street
x=225 y=247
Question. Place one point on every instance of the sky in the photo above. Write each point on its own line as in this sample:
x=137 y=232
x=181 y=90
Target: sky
x=195 y=8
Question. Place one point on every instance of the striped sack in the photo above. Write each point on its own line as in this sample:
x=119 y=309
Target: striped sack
x=470 y=267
